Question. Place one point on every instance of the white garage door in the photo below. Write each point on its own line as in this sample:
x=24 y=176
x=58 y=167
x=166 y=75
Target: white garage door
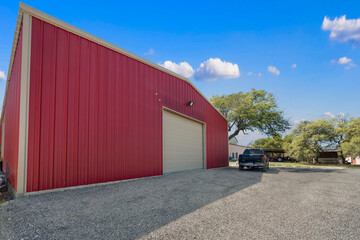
x=182 y=143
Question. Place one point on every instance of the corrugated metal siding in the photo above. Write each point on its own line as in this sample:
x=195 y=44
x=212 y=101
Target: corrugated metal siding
x=91 y=108
x=12 y=113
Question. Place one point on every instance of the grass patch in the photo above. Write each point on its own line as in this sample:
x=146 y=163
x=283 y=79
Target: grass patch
x=308 y=165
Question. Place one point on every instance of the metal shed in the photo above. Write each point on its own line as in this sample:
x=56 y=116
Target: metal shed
x=76 y=109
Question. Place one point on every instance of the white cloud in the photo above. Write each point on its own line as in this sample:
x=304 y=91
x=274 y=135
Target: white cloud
x=254 y=74
x=331 y=115
x=151 y=52
x=273 y=70
x=342 y=29
x=293 y=66
x=2 y=76
x=297 y=122
x=183 y=68
x=328 y=114
x=214 y=69
x=351 y=65
x=344 y=60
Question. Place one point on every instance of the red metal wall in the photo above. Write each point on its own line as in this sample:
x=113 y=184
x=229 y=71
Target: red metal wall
x=91 y=108
x=0 y=132
x=12 y=113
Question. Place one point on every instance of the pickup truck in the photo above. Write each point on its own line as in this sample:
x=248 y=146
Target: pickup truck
x=254 y=158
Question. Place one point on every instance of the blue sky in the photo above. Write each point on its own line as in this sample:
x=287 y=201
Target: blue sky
x=230 y=38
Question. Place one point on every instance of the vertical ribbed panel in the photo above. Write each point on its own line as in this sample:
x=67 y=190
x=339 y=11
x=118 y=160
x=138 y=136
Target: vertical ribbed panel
x=12 y=114
x=96 y=114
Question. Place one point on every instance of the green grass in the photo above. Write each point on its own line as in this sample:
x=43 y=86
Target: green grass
x=299 y=165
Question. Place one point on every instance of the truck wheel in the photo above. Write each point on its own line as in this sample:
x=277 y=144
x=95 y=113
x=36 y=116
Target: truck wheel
x=264 y=168
x=241 y=168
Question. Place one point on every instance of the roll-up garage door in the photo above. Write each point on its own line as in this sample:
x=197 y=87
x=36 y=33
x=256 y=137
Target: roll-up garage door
x=182 y=143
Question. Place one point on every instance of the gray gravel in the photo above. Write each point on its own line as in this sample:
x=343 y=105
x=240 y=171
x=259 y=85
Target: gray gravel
x=222 y=203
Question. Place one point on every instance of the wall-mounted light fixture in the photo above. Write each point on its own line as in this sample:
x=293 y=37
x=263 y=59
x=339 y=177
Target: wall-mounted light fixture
x=190 y=103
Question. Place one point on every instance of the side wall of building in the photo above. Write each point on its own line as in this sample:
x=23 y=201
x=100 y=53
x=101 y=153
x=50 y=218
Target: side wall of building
x=355 y=160
x=12 y=113
x=236 y=150
x=1 y=126
x=90 y=108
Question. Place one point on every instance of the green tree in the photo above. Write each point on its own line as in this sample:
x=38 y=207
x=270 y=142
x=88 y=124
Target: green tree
x=340 y=134
x=254 y=110
x=352 y=148
x=310 y=138
x=287 y=140
x=275 y=142
x=350 y=144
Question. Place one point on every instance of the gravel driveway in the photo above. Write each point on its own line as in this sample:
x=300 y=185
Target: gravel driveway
x=221 y=203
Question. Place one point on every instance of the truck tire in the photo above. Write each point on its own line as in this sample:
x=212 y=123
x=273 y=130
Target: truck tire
x=264 y=168
x=241 y=168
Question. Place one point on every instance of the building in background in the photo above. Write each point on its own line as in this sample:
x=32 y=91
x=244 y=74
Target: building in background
x=353 y=160
x=329 y=157
x=235 y=150
x=77 y=108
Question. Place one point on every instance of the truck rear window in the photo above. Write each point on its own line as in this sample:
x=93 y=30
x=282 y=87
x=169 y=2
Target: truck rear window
x=253 y=151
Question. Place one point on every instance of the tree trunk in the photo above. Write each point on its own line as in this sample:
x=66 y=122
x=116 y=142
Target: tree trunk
x=234 y=134
x=342 y=158
x=341 y=154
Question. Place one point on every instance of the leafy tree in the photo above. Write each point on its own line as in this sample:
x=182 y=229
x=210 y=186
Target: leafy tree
x=310 y=138
x=352 y=148
x=275 y=142
x=299 y=147
x=287 y=140
x=340 y=134
x=350 y=144
x=254 y=110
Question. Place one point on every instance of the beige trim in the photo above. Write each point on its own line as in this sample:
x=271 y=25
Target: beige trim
x=54 y=21
x=24 y=104
x=190 y=118
x=3 y=138
x=204 y=147
x=13 y=50
x=183 y=115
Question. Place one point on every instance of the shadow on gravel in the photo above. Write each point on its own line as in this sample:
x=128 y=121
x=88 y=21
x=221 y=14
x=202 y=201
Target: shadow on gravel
x=126 y=210
x=271 y=170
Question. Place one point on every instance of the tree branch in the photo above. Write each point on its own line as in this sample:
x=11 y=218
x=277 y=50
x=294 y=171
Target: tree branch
x=234 y=134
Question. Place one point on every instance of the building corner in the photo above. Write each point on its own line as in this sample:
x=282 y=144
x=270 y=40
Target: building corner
x=24 y=105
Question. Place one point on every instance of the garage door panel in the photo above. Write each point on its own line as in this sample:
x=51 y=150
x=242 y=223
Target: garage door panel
x=183 y=143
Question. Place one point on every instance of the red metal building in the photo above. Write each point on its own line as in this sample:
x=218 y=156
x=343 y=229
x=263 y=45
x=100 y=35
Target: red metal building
x=76 y=109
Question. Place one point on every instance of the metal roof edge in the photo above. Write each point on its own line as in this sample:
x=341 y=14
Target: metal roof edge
x=23 y=8
x=239 y=145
